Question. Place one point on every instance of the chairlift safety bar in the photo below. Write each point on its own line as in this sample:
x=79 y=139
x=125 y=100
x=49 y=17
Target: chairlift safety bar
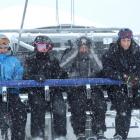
x=60 y=82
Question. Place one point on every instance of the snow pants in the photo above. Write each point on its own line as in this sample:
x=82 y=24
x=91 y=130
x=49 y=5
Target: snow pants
x=57 y=108
x=79 y=104
x=123 y=106
x=15 y=112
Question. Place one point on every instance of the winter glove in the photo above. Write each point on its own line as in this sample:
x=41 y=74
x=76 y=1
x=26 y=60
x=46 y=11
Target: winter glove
x=40 y=78
x=63 y=75
x=131 y=79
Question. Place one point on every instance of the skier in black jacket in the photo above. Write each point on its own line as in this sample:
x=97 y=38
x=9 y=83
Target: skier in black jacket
x=82 y=62
x=122 y=62
x=40 y=66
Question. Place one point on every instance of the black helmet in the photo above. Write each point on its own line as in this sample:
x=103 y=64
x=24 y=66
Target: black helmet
x=43 y=41
x=83 y=40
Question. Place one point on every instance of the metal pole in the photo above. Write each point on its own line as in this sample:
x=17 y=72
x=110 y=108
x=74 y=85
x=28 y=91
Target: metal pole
x=73 y=12
x=57 y=14
x=22 y=23
x=4 y=94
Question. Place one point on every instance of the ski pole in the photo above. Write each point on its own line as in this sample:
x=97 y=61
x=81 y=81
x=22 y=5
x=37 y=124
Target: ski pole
x=88 y=89
x=4 y=94
x=47 y=94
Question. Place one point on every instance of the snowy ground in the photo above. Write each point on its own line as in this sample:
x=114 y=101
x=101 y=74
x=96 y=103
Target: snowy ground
x=110 y=116
x=134 y=131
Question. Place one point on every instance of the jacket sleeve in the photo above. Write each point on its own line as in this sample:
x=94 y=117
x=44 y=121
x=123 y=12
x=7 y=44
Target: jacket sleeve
x=28 y=70
x=137 y=58
x=18 y=70
x=17 y=75
x=109 y=68
x=28 y=74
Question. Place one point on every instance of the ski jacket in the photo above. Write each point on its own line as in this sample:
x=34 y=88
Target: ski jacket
x=117 y=62
x=81 y=66
x=84 y=67
x=10 y=69
x=37 y=66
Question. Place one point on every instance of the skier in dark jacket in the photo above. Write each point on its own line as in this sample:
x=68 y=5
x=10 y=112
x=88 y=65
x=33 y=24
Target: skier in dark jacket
x=40 y=66
x=84 y=63
x=122 y=62
x=11 y=69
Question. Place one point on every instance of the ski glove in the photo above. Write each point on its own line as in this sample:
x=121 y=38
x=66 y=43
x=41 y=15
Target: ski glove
x=40 y=78
x=131 y=79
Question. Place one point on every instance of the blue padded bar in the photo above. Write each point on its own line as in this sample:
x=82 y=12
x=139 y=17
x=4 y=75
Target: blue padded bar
x=60 y=82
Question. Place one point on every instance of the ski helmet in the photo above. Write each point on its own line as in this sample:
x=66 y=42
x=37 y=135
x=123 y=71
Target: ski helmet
x=43 y=42
x=125 y=33
x=4 y=41
x=83 y=40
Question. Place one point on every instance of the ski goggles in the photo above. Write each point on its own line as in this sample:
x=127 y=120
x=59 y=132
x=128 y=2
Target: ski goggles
x=4 y=41
x=4 y=46
x=43 y=46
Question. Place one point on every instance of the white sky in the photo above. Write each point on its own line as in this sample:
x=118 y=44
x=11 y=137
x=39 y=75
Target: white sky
x=100 y=13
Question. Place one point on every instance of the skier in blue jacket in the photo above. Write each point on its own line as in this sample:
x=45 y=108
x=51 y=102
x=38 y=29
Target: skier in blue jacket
x=11 y=69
